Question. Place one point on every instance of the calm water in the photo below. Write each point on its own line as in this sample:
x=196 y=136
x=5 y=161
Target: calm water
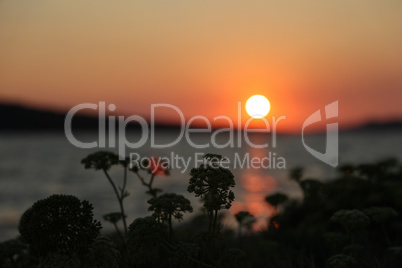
x=37 y=165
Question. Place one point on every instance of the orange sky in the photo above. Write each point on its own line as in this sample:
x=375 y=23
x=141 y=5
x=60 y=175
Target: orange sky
x=205 y=56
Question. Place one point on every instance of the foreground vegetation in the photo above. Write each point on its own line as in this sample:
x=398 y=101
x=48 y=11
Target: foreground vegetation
x=353 y=220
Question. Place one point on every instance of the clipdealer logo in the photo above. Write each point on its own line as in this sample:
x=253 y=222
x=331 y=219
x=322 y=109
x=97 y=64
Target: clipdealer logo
x=108 y=138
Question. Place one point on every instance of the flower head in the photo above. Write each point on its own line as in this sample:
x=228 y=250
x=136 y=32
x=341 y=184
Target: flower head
x=144 y=240
x=167 y=205
x=103 y=253
x=342 y=261
x=351 y=220
x=276 y=199
x=211 y=181
x=113 y=217
x=101 y=160
x=380 y=214
x=60 y=224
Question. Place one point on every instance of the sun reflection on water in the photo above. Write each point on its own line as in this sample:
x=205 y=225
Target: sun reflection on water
x=256 y=184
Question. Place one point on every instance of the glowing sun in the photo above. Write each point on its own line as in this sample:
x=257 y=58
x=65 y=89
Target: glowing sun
x=257 y=106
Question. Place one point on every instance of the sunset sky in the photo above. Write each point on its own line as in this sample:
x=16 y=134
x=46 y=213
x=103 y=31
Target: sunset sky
x=205 y=56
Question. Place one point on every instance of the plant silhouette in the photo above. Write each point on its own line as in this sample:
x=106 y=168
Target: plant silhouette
x=212 y=183
x=104 y=161
x=352 y=220
x=59 y=224
x=167 y=206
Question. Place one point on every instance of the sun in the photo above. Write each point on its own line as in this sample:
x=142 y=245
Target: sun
x=257 y=106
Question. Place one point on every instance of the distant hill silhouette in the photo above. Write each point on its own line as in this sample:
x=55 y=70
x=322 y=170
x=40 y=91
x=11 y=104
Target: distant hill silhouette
x=21 y=118
x=374 y=126
x=16 y=117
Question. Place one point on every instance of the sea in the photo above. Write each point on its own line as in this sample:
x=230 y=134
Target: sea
x=34 y=166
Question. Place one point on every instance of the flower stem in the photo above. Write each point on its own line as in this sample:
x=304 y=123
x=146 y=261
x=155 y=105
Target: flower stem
x=120 y=200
